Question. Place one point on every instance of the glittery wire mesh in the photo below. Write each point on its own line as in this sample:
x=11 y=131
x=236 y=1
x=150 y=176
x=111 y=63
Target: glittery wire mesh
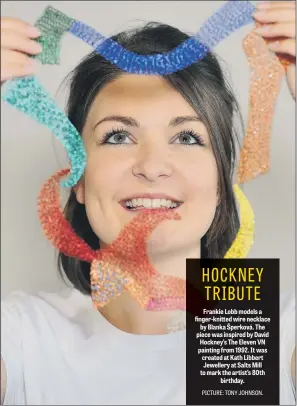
x=52 y=24
x=55 y=227
x=27 y=95
x=227 y=19
x=127 y=257
x=231 y=16
x=124 y=264
x=159 y=64
x=155 y=292
x=245 y=235
x=266 y=75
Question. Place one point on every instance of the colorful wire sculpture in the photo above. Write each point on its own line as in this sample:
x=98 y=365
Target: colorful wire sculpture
x=124 y=264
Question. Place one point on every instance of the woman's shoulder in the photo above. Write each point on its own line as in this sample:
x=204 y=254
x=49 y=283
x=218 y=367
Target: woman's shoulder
x=64 y=311
x=287 y=302
x=287 y=346
x=38 y=332
x=69 y=302
x=287 y=323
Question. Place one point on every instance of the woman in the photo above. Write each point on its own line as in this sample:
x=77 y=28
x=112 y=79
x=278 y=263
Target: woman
x=150 y=142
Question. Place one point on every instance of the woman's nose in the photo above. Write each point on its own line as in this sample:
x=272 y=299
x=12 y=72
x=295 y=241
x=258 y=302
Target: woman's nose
x=152 y=164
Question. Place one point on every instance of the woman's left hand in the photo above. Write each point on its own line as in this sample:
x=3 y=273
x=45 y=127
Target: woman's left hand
x=279 y=19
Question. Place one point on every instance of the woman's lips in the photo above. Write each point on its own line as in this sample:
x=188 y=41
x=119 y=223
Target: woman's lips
x=152 y=209
x=136 y=203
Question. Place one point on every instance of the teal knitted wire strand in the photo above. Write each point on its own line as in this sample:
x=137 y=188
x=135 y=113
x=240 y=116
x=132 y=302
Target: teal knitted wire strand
x=27 y=95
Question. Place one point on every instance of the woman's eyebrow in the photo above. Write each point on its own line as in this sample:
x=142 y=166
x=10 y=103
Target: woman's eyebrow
x=183 y=119
x=131 y=122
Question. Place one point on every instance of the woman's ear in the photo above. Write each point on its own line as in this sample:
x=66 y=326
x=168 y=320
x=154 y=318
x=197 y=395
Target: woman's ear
x=79 y=190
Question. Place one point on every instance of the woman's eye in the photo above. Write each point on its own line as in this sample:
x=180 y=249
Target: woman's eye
x=189 y=138
x=118 y=138
x=186 y=139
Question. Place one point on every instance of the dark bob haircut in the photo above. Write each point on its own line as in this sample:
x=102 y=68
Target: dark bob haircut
x=205 y=88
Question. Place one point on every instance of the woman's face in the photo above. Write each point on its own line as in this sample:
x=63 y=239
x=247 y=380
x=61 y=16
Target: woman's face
x=147 y=148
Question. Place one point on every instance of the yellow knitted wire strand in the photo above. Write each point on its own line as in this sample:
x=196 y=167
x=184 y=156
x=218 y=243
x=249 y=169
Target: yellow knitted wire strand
x=245 y=235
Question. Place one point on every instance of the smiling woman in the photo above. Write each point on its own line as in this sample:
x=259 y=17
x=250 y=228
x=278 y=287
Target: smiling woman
x=152 y=142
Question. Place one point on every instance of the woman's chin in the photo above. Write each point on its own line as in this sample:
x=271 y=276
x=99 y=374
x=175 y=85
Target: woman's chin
x=172 y=242
x=162 y=246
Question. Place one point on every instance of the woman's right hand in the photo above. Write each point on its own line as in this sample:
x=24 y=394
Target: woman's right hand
x=17 y=46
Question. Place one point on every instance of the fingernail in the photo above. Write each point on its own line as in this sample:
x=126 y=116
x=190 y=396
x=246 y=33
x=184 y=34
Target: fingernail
x=34 y=31
x=262 y=5
x=259 y=14
x=263 y=30
x=37 y=46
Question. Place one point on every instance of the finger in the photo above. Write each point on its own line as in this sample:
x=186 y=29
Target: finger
x=12 y=60
x=270 y=5
x=286 y=46
x=14 y=70
x=18 y=42
x=9 y=56
x=277 y=30
x=19 y=26
x=275 y=15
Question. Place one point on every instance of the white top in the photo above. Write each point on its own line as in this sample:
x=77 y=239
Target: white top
x=287 y=345
x=59 y=351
